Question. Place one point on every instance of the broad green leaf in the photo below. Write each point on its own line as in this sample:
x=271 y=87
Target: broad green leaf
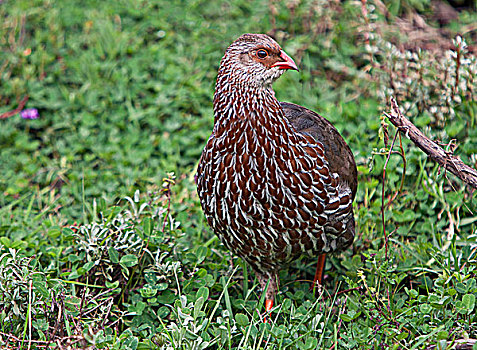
x=203 y=292
x=201 y=253
x=113 y=255
x=241 y=319
x=147 y=225
x=198 y=307
x=468 y=302
x=129 y=260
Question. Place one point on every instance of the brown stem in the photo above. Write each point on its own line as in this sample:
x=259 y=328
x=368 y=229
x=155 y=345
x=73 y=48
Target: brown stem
x=382 y=197
x=460 y=344
x=386 y=237
x=445 y=159
x=457 y=67
x=21 y=104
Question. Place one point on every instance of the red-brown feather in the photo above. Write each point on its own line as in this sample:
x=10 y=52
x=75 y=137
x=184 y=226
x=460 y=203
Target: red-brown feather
x=266 y=188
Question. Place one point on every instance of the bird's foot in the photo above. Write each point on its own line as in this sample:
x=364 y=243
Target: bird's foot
x=317 y=289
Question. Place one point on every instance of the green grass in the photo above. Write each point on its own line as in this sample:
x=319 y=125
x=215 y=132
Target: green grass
x=102 y=239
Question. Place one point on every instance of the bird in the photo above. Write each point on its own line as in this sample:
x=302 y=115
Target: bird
x=275 y=180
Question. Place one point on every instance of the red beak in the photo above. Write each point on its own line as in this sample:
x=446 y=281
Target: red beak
x=287 y=62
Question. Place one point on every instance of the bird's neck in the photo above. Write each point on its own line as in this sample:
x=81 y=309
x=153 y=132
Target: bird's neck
x=246 y=107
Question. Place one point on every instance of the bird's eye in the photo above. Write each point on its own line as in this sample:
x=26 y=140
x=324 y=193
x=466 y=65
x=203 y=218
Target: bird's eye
x=262 y=53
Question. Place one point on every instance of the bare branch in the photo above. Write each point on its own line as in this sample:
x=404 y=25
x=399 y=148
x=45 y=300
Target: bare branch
x=460 y=344
x=11 y=113
x=445 y=159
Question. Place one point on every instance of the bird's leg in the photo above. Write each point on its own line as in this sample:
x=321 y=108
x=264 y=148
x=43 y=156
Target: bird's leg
x=268 y=305
x=320 y=270
x=270 y=292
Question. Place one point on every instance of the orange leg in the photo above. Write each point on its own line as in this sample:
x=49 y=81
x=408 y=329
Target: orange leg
x=320 y=269
x=268 y=305
x=268 y=310
x=271 y=281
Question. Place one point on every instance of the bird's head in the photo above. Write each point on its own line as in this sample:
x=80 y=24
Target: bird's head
x=256 y=60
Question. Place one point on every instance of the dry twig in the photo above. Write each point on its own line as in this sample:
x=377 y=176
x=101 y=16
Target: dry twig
x=460 y=344
x=445 y=159
x=11 y=113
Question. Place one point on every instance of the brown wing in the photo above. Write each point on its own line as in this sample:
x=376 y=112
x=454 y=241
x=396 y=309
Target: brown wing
x=337 y=151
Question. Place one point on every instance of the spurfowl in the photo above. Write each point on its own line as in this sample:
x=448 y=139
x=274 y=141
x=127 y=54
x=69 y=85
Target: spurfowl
x=275 y=179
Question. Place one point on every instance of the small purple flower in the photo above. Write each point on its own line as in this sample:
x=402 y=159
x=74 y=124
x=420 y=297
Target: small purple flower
x=30 y=113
